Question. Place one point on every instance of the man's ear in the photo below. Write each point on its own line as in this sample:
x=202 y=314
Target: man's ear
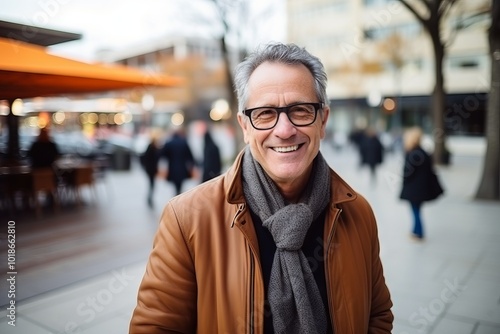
x=244 y=123
x=324 y=119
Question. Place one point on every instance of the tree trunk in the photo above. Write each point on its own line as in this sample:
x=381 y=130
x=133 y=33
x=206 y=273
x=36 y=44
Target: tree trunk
x=233 y=102
x=489 y=187
x=438 y=105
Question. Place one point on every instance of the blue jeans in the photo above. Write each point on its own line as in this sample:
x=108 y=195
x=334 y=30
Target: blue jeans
x=418 y=229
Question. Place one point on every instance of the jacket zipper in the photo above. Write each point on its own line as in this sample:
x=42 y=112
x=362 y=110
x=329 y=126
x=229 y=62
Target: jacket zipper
x=241 y=207
x=252 y=292
x=251 y=324
x=330 y=238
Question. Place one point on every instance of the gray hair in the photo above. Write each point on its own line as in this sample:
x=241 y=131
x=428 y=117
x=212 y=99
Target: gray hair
x=289 y=54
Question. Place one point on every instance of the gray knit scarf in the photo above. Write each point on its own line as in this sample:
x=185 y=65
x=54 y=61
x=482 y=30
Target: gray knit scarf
x=293 y=294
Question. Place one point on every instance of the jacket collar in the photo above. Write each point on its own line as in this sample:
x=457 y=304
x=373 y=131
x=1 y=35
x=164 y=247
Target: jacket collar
x=340 y=190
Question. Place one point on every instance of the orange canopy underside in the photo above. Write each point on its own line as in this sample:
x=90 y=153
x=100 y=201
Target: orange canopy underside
x=29 y=71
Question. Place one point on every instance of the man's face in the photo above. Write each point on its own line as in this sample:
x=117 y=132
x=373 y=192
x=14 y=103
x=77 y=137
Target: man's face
x=286 y=151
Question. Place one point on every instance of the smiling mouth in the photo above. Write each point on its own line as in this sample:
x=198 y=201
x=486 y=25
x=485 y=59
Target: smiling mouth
x=285 y=149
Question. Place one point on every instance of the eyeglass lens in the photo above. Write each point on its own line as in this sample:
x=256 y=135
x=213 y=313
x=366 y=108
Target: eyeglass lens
x=267 y=117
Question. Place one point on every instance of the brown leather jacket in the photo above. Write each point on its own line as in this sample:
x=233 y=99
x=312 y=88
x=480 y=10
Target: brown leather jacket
x=204 y=276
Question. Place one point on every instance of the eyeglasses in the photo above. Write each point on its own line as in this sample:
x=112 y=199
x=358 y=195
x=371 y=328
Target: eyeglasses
x=299 y=114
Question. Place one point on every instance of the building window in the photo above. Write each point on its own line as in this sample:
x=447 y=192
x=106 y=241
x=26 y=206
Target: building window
x=465 y=62
x=312 y=11
x=372 y=3
x=379 y=33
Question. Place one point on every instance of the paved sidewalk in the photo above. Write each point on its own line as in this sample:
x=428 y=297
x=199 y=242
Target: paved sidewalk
x=447 y=284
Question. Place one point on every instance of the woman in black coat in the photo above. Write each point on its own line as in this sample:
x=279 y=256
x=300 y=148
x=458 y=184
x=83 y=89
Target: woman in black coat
x=420 y=183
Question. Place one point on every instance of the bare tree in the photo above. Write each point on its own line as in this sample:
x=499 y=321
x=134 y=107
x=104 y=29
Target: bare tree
x=224 y=9
x=225 y=20
x=430 y=14
x=489 y=187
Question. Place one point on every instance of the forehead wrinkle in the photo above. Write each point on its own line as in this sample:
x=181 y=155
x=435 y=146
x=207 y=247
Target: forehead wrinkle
x=274 y=85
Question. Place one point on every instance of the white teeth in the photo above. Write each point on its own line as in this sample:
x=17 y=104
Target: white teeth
x=286 y=148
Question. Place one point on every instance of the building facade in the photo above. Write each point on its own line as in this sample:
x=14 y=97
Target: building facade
x=380 y=62
x=197 y=60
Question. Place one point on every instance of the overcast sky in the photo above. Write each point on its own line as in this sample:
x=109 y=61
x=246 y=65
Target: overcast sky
x=114 y=24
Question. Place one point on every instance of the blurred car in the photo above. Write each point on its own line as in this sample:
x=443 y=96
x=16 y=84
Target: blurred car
x=68 y=143
x=115 y=152
x=120 y=151
x=76 y=143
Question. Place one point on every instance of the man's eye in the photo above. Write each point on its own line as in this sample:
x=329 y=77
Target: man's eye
x=302 y=109
x=264 y=113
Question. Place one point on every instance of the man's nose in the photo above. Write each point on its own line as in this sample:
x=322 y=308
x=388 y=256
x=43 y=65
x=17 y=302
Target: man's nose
x=284 y=128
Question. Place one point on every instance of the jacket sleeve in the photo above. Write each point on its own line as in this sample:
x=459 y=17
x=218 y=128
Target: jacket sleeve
x=381 y=317
x=166 y=301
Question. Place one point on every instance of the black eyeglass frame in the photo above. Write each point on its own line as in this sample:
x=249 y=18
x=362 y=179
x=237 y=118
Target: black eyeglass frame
x=286 y=109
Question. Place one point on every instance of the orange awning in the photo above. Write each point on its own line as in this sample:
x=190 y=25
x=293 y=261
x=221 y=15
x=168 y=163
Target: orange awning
x=28 y=70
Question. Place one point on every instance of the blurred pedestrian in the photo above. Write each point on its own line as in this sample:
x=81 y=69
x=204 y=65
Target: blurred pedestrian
x=43 y=151
x=420 y=182
x=372 y=151
x=149 y=161
x=180 y=159
x=356 y=137
x=42 y=154
x=279 y=243
x=212 y=164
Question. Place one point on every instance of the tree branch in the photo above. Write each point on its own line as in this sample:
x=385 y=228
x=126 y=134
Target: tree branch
x=445 y=7
x=412 y=9
x=427 y=4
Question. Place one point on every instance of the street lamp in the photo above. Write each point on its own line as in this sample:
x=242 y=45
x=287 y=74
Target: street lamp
x=17 y=107
x=220 y=110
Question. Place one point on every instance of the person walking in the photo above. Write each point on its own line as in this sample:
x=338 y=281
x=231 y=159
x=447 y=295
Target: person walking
x=180 y=159
x=356 y=137
x=149 y=161
x=212 y=164
x=279 y=243
x=420 y=182
x=372 y=152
